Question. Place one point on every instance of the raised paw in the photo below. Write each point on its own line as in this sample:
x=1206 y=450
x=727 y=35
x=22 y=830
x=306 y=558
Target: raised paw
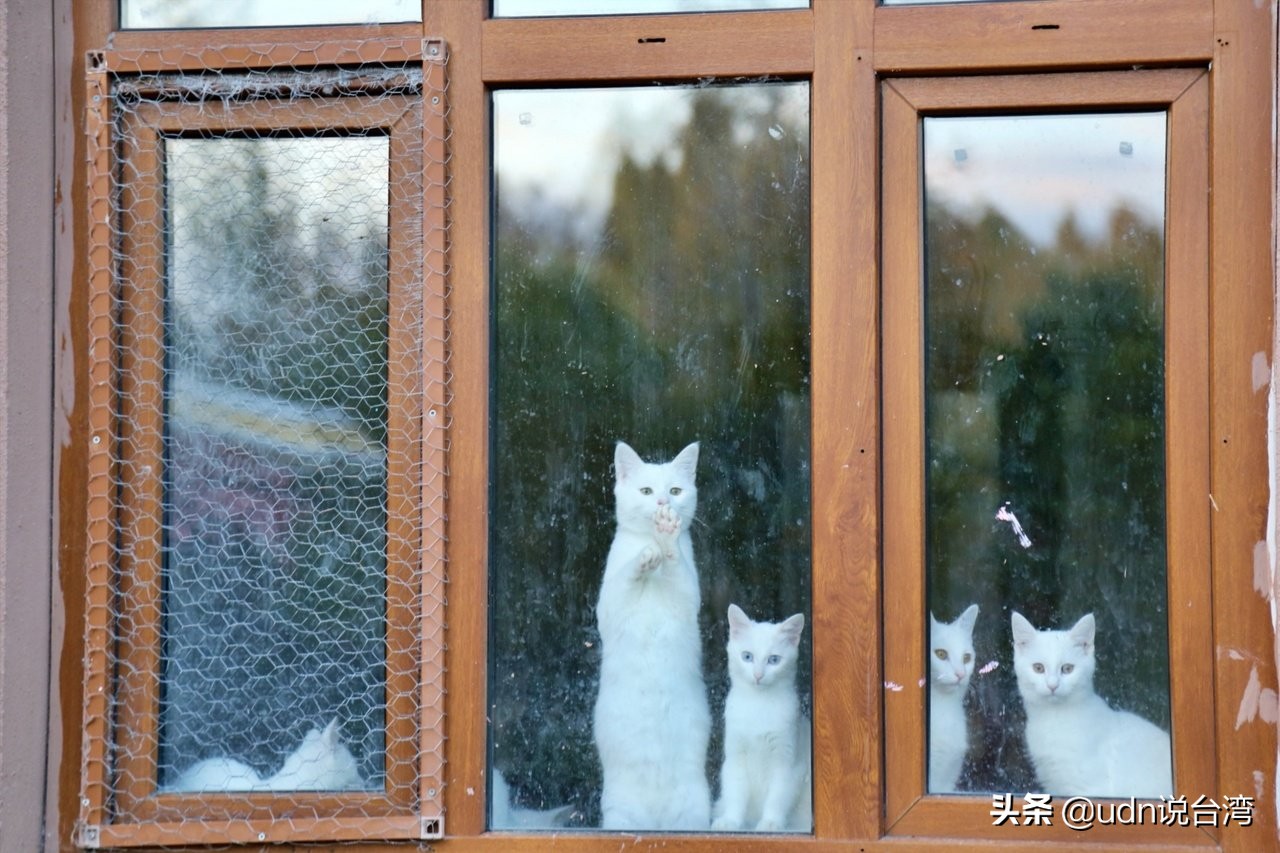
x=665 y=521
x=650 y=558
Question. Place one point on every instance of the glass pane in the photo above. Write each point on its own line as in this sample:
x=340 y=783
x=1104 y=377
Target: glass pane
x=1045 y=501
x=174 y=14
x=276 y=457
x=547 y=8
x=651 y=292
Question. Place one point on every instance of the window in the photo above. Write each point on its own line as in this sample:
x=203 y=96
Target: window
x=260 y=515
x=742 y=229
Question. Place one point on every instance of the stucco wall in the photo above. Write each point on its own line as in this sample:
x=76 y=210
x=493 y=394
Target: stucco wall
x=26 y=356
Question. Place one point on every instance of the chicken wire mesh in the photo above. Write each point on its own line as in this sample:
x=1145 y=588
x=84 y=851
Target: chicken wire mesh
x=268 y=389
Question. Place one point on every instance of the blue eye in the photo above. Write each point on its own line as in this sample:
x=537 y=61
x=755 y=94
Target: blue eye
x=774 y=660
x=746 y=656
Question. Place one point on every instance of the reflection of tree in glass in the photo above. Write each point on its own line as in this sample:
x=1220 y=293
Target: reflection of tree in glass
x=687 y=320
x=1044 y=386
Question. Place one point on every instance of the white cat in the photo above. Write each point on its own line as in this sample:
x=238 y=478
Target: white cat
x=651 y=719
x=950 y=668
x=321 y=762
x=1079 y=744
x=766 y=779
x=507 y=815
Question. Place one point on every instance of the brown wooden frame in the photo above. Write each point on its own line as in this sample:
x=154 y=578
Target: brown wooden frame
x=131 y=408
x=1183 y=94
x=848 y=49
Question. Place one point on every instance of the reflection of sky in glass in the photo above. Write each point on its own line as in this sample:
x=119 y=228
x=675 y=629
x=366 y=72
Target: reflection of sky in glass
x=543 y=8
x=1036 y=169
x=591 y=133
x=325 y=186
x=160 y=14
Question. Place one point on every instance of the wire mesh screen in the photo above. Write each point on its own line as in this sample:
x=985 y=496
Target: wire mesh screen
x=266 y=508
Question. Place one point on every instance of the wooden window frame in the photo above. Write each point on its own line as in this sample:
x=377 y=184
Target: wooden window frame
x=848 y=49
x=1182 y=96
x=127 y=409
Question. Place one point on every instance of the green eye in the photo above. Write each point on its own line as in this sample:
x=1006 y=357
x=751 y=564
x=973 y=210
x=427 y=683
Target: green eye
x=1067 y=668
x=968 y=658
x=645 y=490
x=675 y=490
x=941 y=653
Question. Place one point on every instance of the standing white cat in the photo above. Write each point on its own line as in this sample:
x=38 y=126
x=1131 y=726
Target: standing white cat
x=766 y=779
x=321 y=762
x=1078 y=743
x=951 y=660
x=651 y=720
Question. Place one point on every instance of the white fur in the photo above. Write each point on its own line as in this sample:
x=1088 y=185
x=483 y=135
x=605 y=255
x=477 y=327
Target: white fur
x=766 y=779
x=507 y=815
x=1079 y=744
x=320 y=763
x=651 y=720
x=950 y=668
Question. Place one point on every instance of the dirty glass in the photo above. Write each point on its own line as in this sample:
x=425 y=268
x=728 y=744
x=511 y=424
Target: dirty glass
x=547 y=8
x=651 y=287
x=1045 y=466
x=172 y=14
x=275 y=420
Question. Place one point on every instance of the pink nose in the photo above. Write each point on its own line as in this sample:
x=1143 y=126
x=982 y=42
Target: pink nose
x=662 y=501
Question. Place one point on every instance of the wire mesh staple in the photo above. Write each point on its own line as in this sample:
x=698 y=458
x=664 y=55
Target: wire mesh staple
x=268 y=407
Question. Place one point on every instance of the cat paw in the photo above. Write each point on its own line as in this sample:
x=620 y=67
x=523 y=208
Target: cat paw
x=769 y=824
x=650 y=558
x=724 y=824
x=666 y=524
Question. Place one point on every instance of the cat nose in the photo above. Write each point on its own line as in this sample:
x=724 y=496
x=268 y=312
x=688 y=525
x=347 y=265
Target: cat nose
x=662 y=501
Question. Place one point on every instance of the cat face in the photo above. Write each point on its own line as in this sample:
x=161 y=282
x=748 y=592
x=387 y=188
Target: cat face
x=762 y=654
x=1053 y=666
x=951 y=654
x=641 y=487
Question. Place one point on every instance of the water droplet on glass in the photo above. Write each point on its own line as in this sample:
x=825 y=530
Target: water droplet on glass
x=776 y=131
x=526 y=119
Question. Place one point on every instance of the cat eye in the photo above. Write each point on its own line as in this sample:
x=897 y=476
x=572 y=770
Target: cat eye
x=675 y=490
x=1067 y=668
x=941 y=653
x=1038 y=667
x=645 y=490
x=748 y=657
x=774 y=660
x=968 y=658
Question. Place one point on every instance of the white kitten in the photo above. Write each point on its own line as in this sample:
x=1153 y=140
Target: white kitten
x=1078 y=744
x=651 y=720
x=320 y=763
x=950 y=668
x=218 y=775
x=766 y=779
x=507 y=815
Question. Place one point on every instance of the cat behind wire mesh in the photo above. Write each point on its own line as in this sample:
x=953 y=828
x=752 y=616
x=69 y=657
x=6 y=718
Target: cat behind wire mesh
x=651 y=721
x=766 y=779
x=321 y=762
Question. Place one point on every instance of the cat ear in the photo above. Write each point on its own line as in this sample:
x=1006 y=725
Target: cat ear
x=686 y=461
x=1023 y=631
x=330 y=734
x=1082 y=633
x=968 y=617
x=625 y=460
x=792 y=628
x=738 y=621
